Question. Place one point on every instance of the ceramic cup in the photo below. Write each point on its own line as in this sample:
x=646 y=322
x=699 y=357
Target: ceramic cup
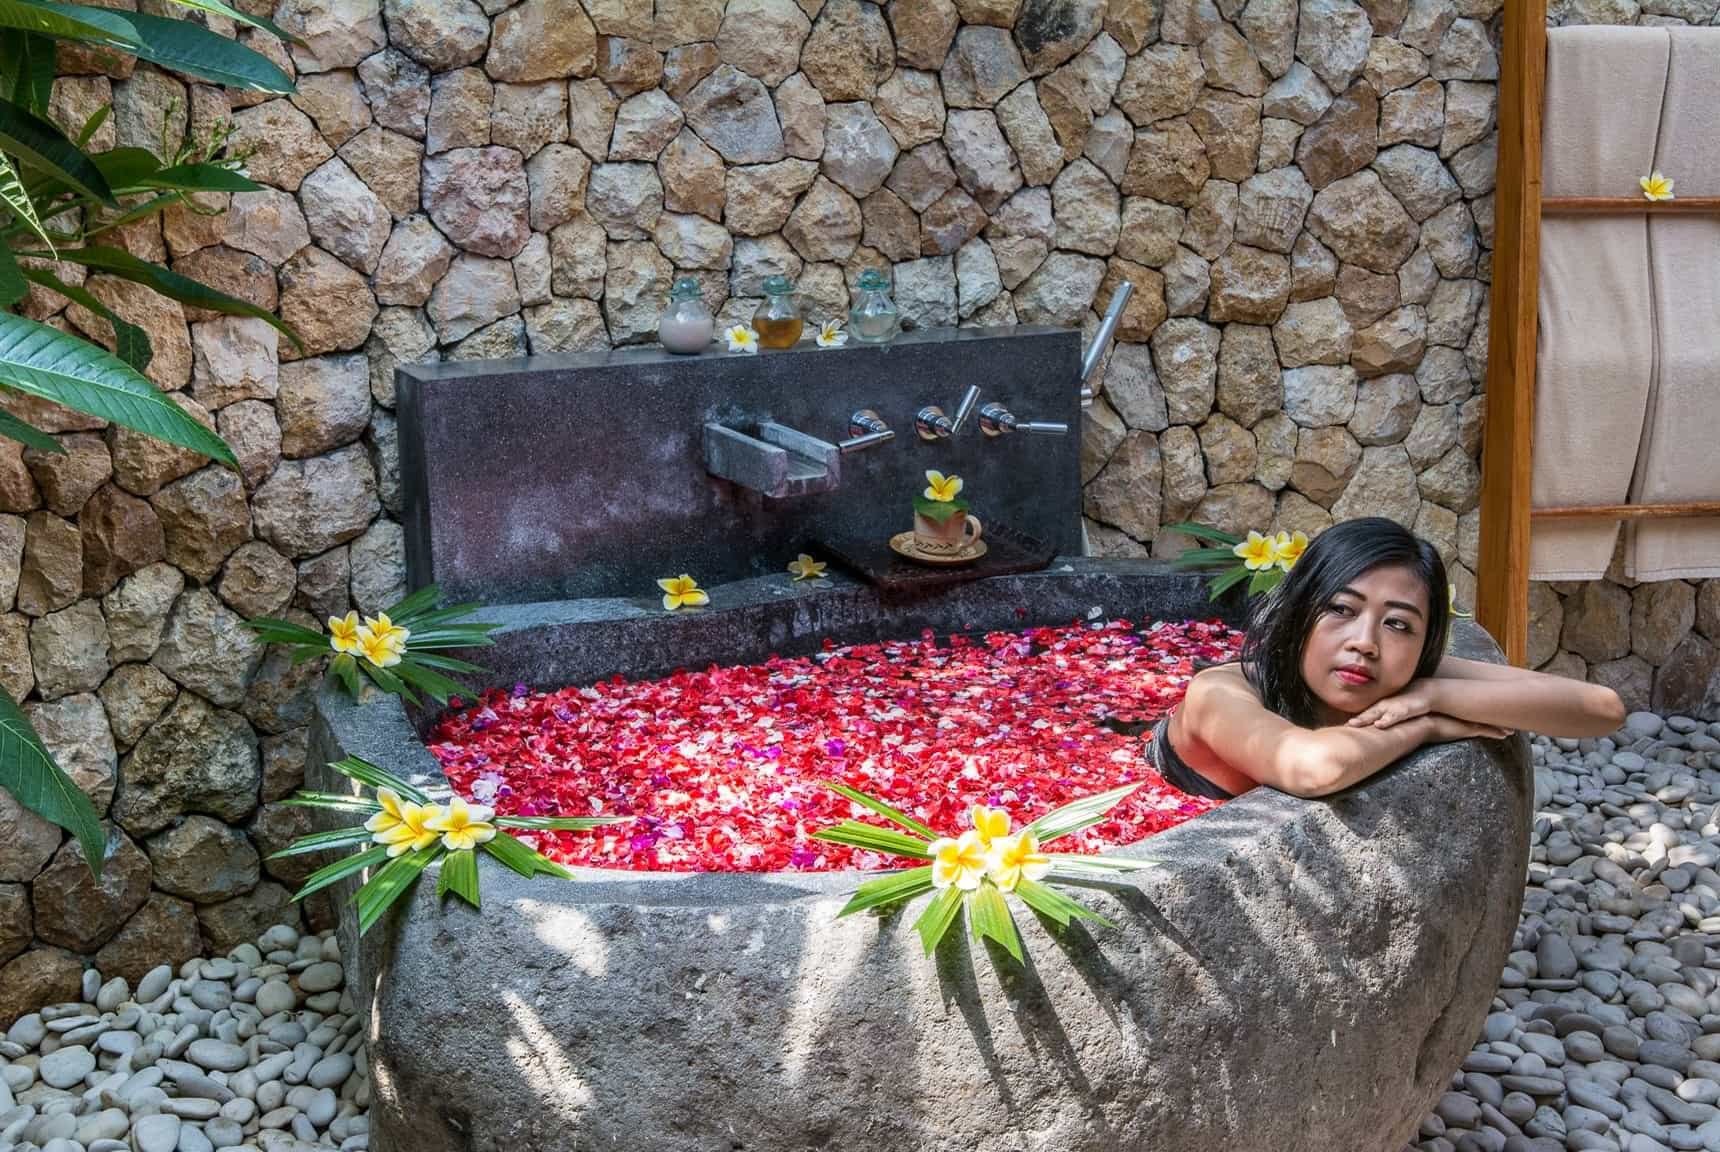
x=951 y=538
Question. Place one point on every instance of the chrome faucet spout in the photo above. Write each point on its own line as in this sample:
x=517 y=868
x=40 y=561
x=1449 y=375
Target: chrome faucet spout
x=1107 y=328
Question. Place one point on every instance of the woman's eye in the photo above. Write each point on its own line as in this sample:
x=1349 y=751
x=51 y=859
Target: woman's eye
x=1338 y=609
x=1402 y=625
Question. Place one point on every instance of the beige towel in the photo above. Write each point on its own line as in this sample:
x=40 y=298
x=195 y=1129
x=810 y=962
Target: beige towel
x=1596 y=340
x=1680 y=456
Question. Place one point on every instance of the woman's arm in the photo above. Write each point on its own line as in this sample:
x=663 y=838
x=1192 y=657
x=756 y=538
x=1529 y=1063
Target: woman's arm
x=1222 y=711
x=1503 y=696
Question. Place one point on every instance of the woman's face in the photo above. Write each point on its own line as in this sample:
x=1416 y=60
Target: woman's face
x=1366 y=643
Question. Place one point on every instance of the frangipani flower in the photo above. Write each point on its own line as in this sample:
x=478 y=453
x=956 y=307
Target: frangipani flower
x=463 y=826
x=1258 y=552
x=682 y=592
x=942 y=488
x=379 y=651
x=343 y=633
x=831 y=335
x=961 y=862
x=992 y=824
x=805 y=567
x=1290 y=546
x=1015 y=858
x=742 y=338
x=402 y=825
x=1656 y=187
x=385 y=631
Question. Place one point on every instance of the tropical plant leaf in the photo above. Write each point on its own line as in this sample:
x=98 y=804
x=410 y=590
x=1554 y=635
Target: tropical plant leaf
x=1202 y=532
x=275 y=631
x=29 y=773
x=459 y=875
x=870 y=836
x=989 y=918
x=93 y=125
x=413 y=605
x=186 y=47
x=558 y=823
x=202 y=178
x=1077 y=814
x=1265 y=580
x=881 y=809
x=322 y=841
x=1204 y=557
x=15 y=429
x=345 y=669
x=387 y=681
x=18 y=201
x=427 y=680
x=937 y=918
x=1074 y=862
x=171 y=284
x=367 y=773
x=26 y=69
x=1049 y=902
x=392 y=880
x=57 y=366
x=890 y=889
x=130 y=342
x=332 y=800
x=39 y=143
x=446 y=663
x=1224 y=583
x=63 y=22
x=522 y=859
x=340 y=870
x=220 y=9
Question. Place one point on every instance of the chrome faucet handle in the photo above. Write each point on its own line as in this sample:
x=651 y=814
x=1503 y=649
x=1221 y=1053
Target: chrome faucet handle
x=931 y=423
x=995 y=420
x=965 y=408
x=865 y=429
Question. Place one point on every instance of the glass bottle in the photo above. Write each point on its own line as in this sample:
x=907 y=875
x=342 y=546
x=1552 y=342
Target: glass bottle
x=686 y=326
x=778 y=321
x=873 y=318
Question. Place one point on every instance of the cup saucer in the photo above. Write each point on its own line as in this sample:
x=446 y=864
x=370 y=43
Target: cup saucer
x=903 y=544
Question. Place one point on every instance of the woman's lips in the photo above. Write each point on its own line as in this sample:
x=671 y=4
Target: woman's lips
x=1352 y=676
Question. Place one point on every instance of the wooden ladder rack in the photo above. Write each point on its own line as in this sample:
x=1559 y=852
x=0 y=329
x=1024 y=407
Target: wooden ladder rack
x=1507 y=454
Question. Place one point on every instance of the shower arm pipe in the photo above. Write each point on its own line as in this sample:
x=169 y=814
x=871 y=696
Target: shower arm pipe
x=1102 y=338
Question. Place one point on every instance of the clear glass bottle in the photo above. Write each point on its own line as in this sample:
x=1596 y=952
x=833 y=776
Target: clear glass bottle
x=873 y=318
x=687 y=325
x=778 y=321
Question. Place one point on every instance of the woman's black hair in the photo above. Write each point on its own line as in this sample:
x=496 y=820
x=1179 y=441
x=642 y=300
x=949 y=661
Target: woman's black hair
x=1282 y=620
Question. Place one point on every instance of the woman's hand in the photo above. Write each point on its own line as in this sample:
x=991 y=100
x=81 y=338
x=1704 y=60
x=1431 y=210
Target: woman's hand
x=1418 y=699
x=1443 y=729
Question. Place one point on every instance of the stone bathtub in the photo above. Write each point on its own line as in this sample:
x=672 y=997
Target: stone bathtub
x=1293 y=975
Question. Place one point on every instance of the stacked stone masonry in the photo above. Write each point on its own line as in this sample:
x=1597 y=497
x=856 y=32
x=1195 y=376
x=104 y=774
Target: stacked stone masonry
x=1301 y=192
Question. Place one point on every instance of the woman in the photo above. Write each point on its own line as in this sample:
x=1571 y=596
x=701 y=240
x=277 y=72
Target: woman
x=1344 y=671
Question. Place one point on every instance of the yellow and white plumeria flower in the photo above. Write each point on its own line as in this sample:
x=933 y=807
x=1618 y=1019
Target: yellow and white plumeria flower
x=959 y=863
x=831 y=335
x=385 y=632
x=378 y=650
x=1258 y=552
x=343 y=633
x=1290 y=546
x=741 y=338
x=1017 y=858
x=402 y=825
x=992 y=824
x=942 y=488
x=463 y=826
x=1656 y=187
x=682 y=592
x=805 y=567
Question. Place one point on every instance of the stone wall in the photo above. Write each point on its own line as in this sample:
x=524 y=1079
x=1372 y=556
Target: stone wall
x=1301 y=193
